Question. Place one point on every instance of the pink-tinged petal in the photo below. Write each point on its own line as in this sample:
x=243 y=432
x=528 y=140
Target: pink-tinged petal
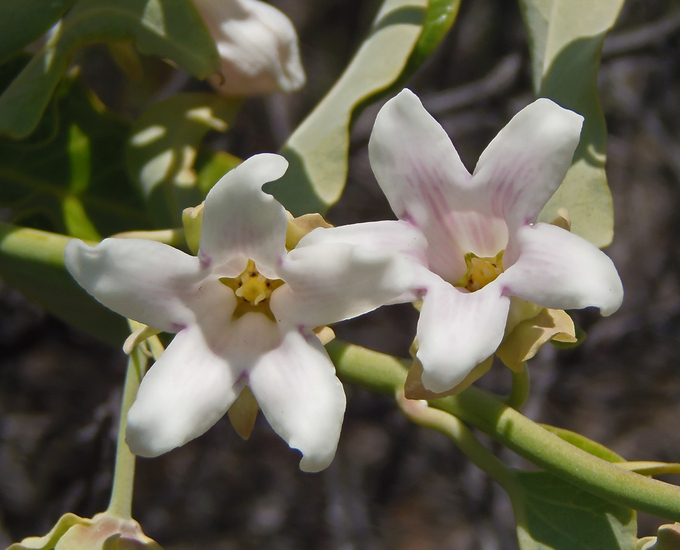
x=426 y=183
x=184 y=393
x=144 y=280
x=333 y=282
x=258 y=46
x=526 y=162
x=299 y=394
x=399 y=237
x=458 y=330
x=239 y=219
x=559 y=270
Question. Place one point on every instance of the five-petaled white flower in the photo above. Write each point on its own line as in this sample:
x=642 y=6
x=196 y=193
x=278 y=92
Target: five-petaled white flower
x=483 y=243
x=243 y=310
x=258 y=46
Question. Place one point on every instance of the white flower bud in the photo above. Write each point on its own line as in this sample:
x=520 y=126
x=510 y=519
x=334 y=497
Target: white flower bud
x=258 y=45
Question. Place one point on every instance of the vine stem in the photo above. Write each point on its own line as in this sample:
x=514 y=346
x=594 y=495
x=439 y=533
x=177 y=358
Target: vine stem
x=386 y=374
x=124 y=472
x=422 y=414
x=520 y=388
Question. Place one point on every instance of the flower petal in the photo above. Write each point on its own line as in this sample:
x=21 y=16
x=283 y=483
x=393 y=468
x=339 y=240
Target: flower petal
x=184 y=393
x=382 y=236
x=526 y=162
x=560 y=270
x=426 y=183
x=457 y=331
x=299 y=394
x=258 y=46
x=239 y=219
x=144 y=280
x=333 y=282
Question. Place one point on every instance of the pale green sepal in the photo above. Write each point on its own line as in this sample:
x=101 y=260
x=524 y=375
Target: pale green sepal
x=141 y=333
x=318 y=150
x=552 y=514
x=50 y=539
x=168 y=28
x=192 y=219
x=33 y=262
x=163 y=148
x=566 y=39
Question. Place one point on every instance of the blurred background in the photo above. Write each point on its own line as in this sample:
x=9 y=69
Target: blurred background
x=392 y=485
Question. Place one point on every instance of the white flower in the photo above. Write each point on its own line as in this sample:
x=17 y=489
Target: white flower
x=483 y=245
x=258 y=46
x=243 y=310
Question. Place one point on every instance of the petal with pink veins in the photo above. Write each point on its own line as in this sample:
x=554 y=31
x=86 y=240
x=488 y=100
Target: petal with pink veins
x=426 y=183
x=299 y=394
x=526 y=162
x=458 y=330
x=559 y=270
x=143 y=280
x=184 y=393
x=336 y=281
x=240 y=220
x=400 y=237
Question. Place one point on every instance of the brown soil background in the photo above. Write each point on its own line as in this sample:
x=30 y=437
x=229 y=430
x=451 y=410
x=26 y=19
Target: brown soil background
x=392 y=484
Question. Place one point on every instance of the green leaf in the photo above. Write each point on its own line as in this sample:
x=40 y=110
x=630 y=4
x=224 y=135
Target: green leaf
x=163 y=148
x=585 y=444
x=167 y=28
x=212 y=167
x=566 y=39
x=439 y=17
x=70 y=174
x=551 y=514
x=33 y=262
x=19 y=26
x=318 y=149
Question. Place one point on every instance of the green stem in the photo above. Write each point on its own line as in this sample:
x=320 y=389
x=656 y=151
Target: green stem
x=520 y=388
x=386 y=374
x=172 y=237
x=424 y=415
x=124 y=473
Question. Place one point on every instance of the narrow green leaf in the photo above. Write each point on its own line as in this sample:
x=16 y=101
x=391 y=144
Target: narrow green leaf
x=318 y=149
x=19 y=25
x=439 y=17
x=551 y=514
x=167 y=28
x=163 y=148
x=585 y=444
x=70 y=173
x=33 y=262
x=566 y=39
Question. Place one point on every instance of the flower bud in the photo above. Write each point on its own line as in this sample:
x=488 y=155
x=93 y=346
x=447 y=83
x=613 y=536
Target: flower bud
x=258 y=46
x=102 y=532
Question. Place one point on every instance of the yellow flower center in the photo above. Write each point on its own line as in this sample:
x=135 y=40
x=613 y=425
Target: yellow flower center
x=481 y=271
x=252 y=291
